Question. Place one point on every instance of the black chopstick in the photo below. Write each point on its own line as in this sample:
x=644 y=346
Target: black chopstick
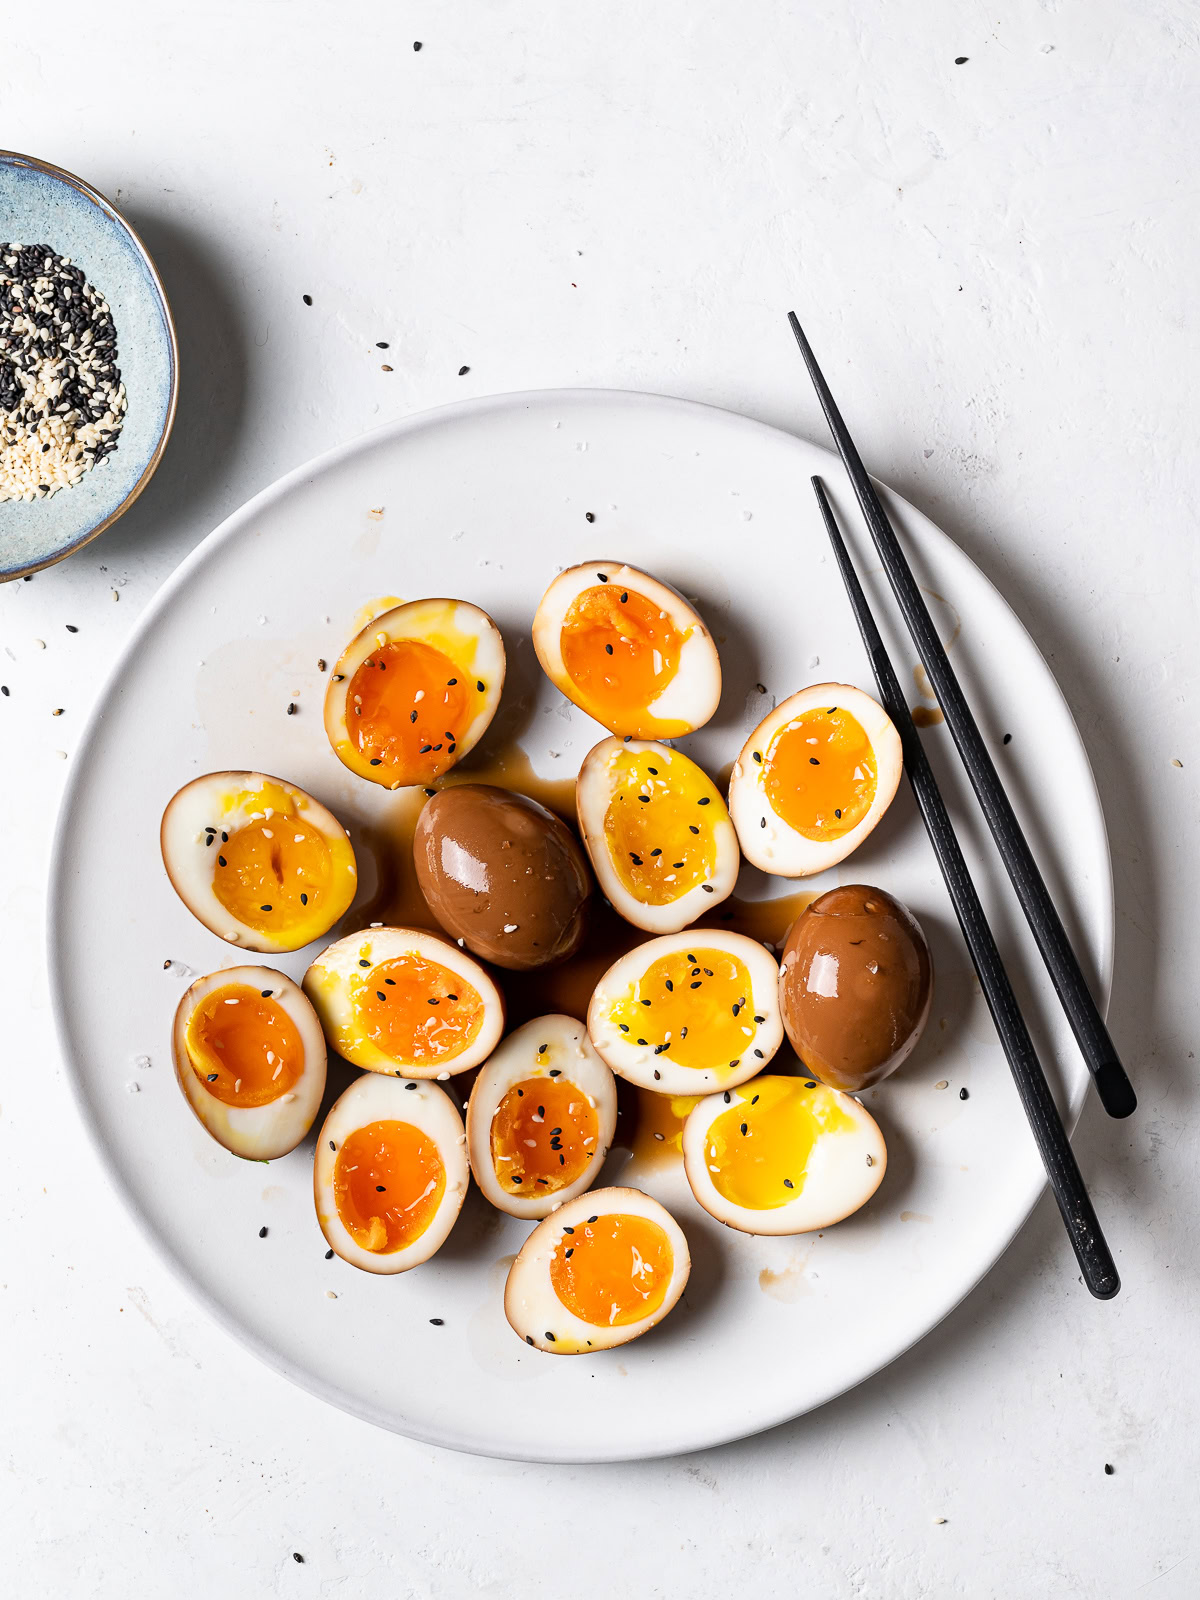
x=1083 y=1229
x=1099 y=1052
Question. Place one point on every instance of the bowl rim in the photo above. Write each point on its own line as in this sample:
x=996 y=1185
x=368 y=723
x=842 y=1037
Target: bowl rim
x=13 y=158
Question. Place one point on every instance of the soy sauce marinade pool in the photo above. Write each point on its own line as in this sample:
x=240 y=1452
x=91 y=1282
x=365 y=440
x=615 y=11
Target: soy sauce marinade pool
x=62 y=402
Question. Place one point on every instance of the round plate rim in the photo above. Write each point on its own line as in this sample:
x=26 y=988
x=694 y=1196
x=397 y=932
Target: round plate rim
x=13 y=158
x=331 y=1394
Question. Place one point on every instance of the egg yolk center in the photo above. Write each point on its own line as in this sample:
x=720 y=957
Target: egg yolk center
x=417 y=1011
x=758 y=1151
x=388 y=1181
x=621 y=651
x=694 y=1006
x=407 y=705
x=543 y=1136
x=820 y=773
x=243 y=1046
x=658 y=826
x=273 y=874
x=612 y=1270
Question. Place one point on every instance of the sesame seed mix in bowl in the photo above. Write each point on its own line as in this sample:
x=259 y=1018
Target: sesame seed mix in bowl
x=62 y=401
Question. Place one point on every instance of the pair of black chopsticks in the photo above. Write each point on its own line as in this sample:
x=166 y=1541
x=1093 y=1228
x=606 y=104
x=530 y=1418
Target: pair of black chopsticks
x=1112 y=1084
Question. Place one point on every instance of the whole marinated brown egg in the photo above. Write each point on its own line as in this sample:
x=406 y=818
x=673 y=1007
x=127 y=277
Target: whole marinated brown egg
x=855 y=986
x=503 y=874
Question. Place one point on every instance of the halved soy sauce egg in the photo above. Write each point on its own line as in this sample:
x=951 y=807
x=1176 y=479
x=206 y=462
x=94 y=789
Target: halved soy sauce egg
x=250 y=1058
x=782 y=1155
x=541 y=1117
x=258 y=861
x=390 y=1173
x=415 y=691
x=628 y=650
x=602 y=1270
x=688 y=1013
x=813 y=779
x=658 y=834
x=405 y=1002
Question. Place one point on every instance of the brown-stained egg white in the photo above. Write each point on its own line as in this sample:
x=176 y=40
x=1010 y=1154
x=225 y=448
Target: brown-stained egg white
x=855 y=987
x=503 y=874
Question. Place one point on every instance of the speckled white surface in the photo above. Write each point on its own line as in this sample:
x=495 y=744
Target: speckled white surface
x=996 y=263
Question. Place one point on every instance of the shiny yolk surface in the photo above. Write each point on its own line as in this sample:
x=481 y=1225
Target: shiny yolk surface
x=406 y=707
x=621 y=651
x=658 y=1134
x=658 y=825
x=758 y=1151
x=388 y=1181
x=243 y=1046
x=543 y=1136
x=697 y=1002
x=820 y=773
x=417 y=1011
x=273 y=874
x=613 y=1270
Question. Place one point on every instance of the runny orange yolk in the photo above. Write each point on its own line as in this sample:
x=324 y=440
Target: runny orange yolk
x=543 y=1136
x=621 y=651
x=820 y=773
x=758 y=1151
x=612 y=1270
x=407 y=706
x=388 y=1181
x=243 y=1046
x=658 y=825
x=273 y=874
x=696 y=1002
x=417 y=1011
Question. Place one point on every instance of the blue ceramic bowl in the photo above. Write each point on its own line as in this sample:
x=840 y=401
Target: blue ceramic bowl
x=41 y=204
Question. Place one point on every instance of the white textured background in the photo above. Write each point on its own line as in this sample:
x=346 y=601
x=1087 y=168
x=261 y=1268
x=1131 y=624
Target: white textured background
x=997 y=264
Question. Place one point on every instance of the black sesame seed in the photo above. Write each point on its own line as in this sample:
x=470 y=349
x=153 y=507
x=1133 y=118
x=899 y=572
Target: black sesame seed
x=264 y=908
x=608 y=649
x=551 y=1338
x=479 y=685
x=703 y=802
x=692 y=828
x=379 y=994
x=266 y=993
x=788 y=1184
x=380 y=1188
x=589 y=516
x=450 y=682
x=462 y=371
x=810 y=1084
x=708 y=888
x=303 y=899
x=568 y=1230
x=307 y=298
x=964 y=1094
x=813 y=762
x=363 y=962
x=745 y=1128
x=1109 y=1469
x=643 y=1041
x=695 y=985
x=262 y=1233
x=837 y=813
x=71 y=628
x=436 y=1322
x=376 y=761
x=624 y=596
x=296 y=1556
x=528 y=1338
x=757 y=755
x=332 y=1146
x=329 y=1255
x=602 y=576
x=1007 y=739
x=212 y=1077
x=410 y=1086
x=727 y=1097
x=291 y=708
x=624 y=1027
x=759 y=1054
x=221 y=861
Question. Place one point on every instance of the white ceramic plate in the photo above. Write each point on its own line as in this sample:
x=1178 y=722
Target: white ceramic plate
x=487 y=500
